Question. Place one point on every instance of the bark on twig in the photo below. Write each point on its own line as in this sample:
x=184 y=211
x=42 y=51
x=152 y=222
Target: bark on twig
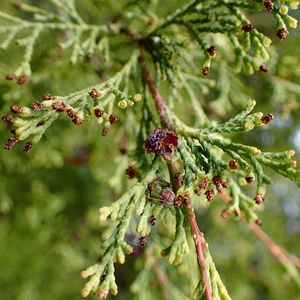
x=198 y=237
x=159 y=102
x=280 y=253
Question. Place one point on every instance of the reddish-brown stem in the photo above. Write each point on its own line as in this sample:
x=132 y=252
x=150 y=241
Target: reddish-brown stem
x=200 y=246
x=281 y=254
x=159 y=102
x=165 y=122
x=198 y=238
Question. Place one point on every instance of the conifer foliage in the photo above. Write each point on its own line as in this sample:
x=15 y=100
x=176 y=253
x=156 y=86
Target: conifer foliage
x=171 y=98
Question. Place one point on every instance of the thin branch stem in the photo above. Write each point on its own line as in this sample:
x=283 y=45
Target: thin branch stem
x=196 y=233
x=281 y=254
x=198 y=238
x=159 y=102
x=201 y=245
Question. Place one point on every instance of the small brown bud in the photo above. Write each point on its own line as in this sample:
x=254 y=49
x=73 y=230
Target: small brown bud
x=197 y=191
x=132 y=173
x=150 y=22
x=27 y=147
x=259 y=199
x=247 y=27
x=249 y=179
x=71 y=113
x=237 y=213
x=205 y=71
x=225 y=184
x=143 y=241
x=212 y=51
x=17 y=5
x=123 y=150
x=269 y=5
x=8 y=119
x=40 y=123
x=179 y=179
x=233 y=164
x=105 y=131
x=166 y=196
x=59 y=106
x=263 y=69
x=177 y=201
x=10 y=77
x=94 y=94
x=217 y=181
x=98 y=112
x=258 y=222
x=102 y=278
x=282 y=33
x=267 y=118
x=122 y=144
x=15 y=109
x=209 y=195
x=36 y=106
x=225 y=214
x=22 y=79
x=113 y=119
x=152 y=220
x=48 y=97
x=187 y=201
x=11 y=142
x=77 y=120
x=162 y=142
x=203 y=183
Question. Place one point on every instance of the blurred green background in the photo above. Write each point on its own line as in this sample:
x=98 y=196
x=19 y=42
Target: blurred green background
x=49 y=199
